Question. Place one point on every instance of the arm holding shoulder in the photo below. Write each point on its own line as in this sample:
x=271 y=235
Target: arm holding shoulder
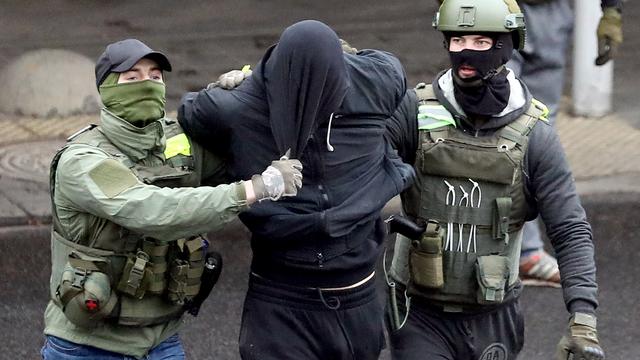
x=95 y=183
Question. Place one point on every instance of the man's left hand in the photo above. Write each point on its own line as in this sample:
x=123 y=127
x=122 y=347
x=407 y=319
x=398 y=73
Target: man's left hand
x=609 y=34
x=581 y=342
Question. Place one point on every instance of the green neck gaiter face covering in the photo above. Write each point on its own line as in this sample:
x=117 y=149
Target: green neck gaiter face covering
x=139 y=102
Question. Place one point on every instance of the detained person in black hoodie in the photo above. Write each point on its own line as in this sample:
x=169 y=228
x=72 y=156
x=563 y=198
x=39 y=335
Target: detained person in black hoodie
x=312 y=284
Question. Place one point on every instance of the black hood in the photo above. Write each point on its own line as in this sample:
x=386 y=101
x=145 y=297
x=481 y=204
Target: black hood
x=305 y=78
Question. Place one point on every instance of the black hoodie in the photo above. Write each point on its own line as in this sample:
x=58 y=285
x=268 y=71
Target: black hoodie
x=329 y=235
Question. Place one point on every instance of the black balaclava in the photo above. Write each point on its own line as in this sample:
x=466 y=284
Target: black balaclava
x=306 y=80
x=488 y=92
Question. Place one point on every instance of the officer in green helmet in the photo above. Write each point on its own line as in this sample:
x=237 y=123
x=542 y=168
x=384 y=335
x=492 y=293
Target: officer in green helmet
x=127 y=260
x=487 y=160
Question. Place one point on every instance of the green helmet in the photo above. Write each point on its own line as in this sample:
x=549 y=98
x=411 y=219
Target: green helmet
x=482 y=16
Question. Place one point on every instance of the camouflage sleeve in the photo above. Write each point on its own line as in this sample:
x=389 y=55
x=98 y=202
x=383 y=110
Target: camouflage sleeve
x=91 y=182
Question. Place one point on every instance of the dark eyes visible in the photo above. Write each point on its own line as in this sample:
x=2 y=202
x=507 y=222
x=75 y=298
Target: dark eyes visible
x=136 y=77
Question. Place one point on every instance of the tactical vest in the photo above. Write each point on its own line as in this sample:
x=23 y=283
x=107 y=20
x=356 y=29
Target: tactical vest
x=470 y=194
x=116 y=275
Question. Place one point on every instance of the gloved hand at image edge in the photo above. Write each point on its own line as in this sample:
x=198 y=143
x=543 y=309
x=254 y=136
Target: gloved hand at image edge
x=609 y=34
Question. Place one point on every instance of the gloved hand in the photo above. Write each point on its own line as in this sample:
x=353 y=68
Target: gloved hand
x=232 y=79
x=346 y=47
x=609 y=34
x=581 y=341
x=282 y=178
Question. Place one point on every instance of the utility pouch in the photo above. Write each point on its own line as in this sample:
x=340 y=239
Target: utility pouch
x=425 y=258
x=84 y=293
x=185 y=270
x=176 y=289
x=212 y=270
x=500 y=227
x=492 y=272
x=136 y=275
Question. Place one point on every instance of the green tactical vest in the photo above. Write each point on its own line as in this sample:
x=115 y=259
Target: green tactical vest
x=470 y=194
x=119 y=276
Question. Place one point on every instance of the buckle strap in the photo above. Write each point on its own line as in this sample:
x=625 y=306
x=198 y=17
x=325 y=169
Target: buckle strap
x=136 y=275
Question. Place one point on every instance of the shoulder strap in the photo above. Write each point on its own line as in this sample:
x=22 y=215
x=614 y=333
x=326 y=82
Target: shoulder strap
x=425 y=92
x=538 y=110
x=431 y=114
x=517 y=132
x=57 y=227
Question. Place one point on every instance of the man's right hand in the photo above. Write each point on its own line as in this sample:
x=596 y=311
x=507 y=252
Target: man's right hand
x=282 y=178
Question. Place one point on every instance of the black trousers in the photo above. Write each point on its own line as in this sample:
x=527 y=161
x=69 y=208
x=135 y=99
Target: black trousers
x=281 y=322
x=430 y=333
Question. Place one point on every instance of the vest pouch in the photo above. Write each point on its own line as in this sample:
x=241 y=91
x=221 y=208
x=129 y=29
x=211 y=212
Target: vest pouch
x=501 y=212
x=492 y=272
x=136 y=275
x=425 y=258
x=185 y=270
x=456 y=161
x=84 y=294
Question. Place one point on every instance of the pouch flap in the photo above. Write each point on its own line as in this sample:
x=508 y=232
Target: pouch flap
x=450 y=161
x=493 y=271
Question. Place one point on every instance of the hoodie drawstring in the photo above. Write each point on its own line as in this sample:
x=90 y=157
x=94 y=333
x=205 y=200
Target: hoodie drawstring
x=329 y=147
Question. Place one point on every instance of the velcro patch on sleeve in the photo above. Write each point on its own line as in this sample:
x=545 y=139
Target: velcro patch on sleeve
x=112 y=177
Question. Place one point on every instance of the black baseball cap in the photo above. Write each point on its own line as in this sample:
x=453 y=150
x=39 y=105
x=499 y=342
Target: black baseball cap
x=122 y=55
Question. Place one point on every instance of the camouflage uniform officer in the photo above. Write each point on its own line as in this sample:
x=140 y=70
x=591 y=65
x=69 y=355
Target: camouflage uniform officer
x=127 y=260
